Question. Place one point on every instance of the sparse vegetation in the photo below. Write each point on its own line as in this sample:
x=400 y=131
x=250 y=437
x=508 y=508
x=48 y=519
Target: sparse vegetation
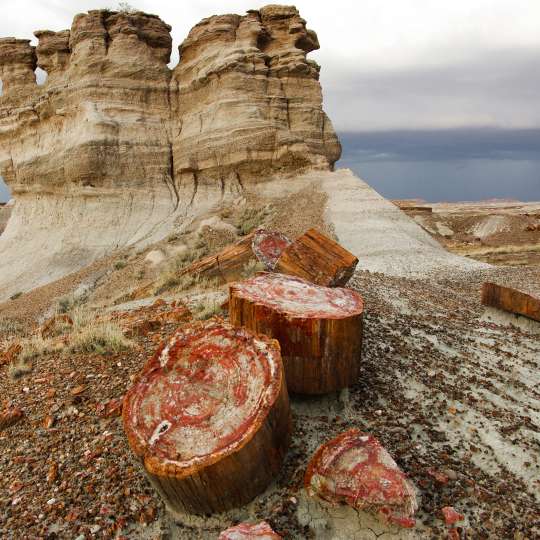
x=37 y=346
x=251 y=218
x=11 y=327
x=170 y=278
x=19 y=369
x=66 y=304
x=99 y=337
x=118 y=265
x=125 y=7
x=206 y=308
x=15 y=296
x=251 y=268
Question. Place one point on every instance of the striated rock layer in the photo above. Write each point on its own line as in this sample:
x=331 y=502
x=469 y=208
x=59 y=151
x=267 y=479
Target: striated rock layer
x=115 y=147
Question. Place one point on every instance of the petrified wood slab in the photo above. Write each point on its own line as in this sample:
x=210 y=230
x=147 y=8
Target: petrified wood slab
x=522 y=302
x=355 y=469
x=246 y=531
x=209 y=417
x=319 y=328
x=317 y=258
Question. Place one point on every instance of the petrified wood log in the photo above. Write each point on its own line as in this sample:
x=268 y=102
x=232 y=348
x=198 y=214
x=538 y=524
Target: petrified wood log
x=209 y=417
x=355 y=469
x=229 y=264
x=512 y=300
x=246 y=531
x=317 y=258
x=319 y=328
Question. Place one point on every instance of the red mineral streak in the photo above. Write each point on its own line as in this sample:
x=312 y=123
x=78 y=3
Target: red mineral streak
x=245 y=531
x=268 y=246
x=355 y=468
x=202 y=395
x=450 y=515
x=298 y=297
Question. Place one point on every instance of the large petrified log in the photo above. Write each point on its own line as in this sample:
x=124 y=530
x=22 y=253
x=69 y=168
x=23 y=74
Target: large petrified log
x=521 y=302
x=354 y=468
x=317 y=258
x=246 y=531
x=319 y=328
x=229 y=264
x=209 y=417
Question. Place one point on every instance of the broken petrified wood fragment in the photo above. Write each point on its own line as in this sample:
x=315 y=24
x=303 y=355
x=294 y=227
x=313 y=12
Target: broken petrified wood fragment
x=209 y=417
x=10 y=417
x=355 y=469
x=246 y=531
x=524 y=302
x=317 y=258
x=319 y=328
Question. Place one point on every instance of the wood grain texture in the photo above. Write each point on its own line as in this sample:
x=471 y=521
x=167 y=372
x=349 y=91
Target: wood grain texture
x=317 y=258
x=321 y=353
x=199 y=456
x=512 y=300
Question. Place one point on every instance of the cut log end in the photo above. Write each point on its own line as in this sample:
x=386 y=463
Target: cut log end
x=319 y=328
x=317 y=258
x=268 y=247
x=355 y=469
x=209 y=417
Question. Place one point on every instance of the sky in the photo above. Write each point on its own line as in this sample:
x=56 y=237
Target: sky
x=389 y=65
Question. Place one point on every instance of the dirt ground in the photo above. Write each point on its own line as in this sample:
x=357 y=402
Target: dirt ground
x=451 y=394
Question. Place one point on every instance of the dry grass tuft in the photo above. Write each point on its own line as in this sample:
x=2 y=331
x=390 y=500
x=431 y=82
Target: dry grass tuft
x=252 y=267
x=99 y=337
x=251 y=218
x=206 y=308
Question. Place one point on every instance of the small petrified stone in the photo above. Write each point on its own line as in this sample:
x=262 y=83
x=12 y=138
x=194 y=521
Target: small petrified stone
x=209 y=417
x=355 y=469
x=10 y=416
x=319 y=328
x=246 y=531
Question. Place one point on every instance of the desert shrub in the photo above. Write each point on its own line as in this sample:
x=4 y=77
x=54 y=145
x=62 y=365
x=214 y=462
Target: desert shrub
x=15 y=296
x=251 y=218
x=205 y=309
x=19 y=369
x=125 y=7
x=118 y=265
x=99 y=337
x=37 y=346
x=11 y=327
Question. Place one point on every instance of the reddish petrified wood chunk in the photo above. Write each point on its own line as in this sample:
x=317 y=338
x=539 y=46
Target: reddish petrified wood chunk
x=246 y=531
x=521 y=302
x=450 y=515
x=319 y=328
x=355 y=469
x=10 y=417
x=268 y=246
x=317 y=258
x=209 y=417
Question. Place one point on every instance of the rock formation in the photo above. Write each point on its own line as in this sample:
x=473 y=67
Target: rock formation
x=115 y=146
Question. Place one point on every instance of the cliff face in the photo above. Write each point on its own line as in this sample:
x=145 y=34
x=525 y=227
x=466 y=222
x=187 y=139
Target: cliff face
x=115 y=147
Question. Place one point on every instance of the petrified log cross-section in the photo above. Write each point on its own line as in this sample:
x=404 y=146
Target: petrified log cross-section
x=354 y=468
x=228 y=265
x=521 y=302
x=319 y=328
x=209 y=417
x=317 y=258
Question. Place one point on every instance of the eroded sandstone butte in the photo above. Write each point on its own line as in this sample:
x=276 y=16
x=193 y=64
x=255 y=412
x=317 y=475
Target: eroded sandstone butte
x=116 y=148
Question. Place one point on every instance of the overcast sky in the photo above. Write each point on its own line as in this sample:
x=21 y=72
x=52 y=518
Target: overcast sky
x=392 y=64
